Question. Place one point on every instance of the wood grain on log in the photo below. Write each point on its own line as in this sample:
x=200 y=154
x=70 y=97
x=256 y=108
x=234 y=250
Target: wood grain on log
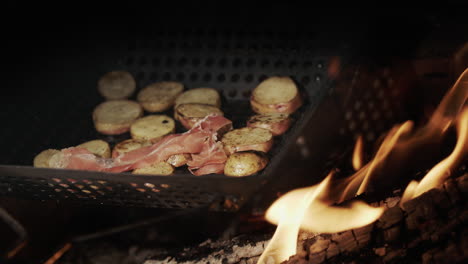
x=431 y=229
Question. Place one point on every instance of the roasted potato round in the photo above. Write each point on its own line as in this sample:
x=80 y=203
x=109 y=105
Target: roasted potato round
x=116 y=117
x=160 y=96
x=276 y=123
x=98 y=147
x=178 y=160
x=42 y=159
x=245 y=163
x=276 y=95
x=160 y=168
x=199 y=96
x=129 y=145
x=152 y=127
x=247 y=138
x=116 y=85
x=189 y=114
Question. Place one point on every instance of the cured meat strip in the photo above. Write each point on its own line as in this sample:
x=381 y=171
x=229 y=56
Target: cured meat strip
x=200 y=141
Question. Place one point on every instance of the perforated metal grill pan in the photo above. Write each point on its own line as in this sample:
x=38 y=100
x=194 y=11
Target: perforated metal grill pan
x=231 y=62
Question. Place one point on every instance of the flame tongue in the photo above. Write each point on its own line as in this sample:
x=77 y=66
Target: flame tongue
x=384 y=151
x=288 y=213
x=452 y=103
x=310 y=209
x=439 y=173
x=442 y=118
x=358 y=154
x=357 y=183
x=323 y=218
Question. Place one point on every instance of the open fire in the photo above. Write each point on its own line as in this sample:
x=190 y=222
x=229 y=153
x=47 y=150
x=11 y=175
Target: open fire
x=320 y=208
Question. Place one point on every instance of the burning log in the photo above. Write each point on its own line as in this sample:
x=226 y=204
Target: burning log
x=431 y=229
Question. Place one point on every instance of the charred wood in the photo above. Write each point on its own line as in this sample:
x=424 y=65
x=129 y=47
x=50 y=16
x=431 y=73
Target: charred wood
x=430 y=229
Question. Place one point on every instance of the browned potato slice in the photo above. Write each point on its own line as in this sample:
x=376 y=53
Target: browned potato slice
x=152 y=127
x=116 y=117
x=160 y=96
x=97 y=147
x=189 y=114
x=200 y=96
x=247 y=138
x=245 y=163
x=57 y=160
x=161 y=168
x=129 y=145
x=275 y=122
x=116 y=85
x=276 y=95
x=178 y=160
x=42 y=159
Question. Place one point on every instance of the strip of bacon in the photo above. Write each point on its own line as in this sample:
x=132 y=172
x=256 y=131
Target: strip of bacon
x=210 y=160
x=200 y=140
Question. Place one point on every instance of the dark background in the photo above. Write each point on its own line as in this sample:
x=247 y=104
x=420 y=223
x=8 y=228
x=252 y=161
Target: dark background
x=50 y=54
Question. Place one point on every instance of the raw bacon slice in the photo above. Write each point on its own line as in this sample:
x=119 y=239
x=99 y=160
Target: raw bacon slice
x=212 y=152
x=210 y=160
x=199 y=141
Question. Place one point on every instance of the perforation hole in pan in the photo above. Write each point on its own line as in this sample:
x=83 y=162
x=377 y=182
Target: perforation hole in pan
x=372 y=110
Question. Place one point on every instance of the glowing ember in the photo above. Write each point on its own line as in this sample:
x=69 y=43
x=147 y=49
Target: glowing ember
x=358 y=154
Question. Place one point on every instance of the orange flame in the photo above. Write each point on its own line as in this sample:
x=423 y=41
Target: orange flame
x=440 y=172
x=387 y=146
x=312 y=208
x=358 y=155
x=357 y=183
x=452 y=103
x=444 y=116
x=288 y=216
x=441 y=120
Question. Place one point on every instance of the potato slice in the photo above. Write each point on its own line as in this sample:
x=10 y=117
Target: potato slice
x=245 y=163
x=178 y=160
x=160 y=168
x=191 y=113
x=116 y=117
x=247 y=138
x=276 y=95
x=116 y=85
x=200 y=96
x=160 y=96
x=42 y=159
x=97 y=147
x=152 y=127
x=129 y=145
x=275 y=122
x=58 y=161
